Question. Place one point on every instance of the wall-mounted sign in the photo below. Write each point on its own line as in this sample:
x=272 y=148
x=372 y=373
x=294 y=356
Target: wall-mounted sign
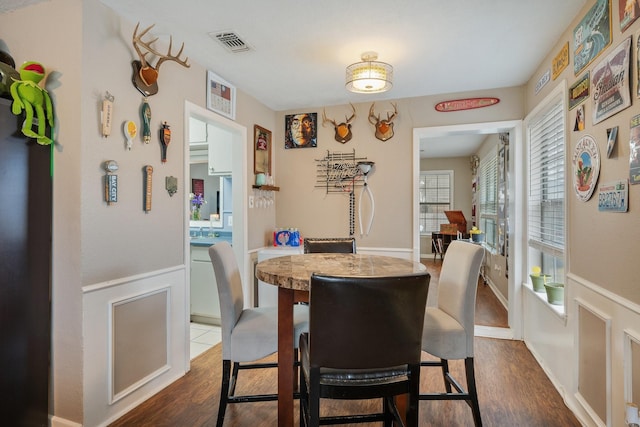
x=592 y=35
x=543 y=81
x=610 y=83
x=465 y=104
x=586 y=167
x=614 y=197
x=579 y=91
x=560 y=62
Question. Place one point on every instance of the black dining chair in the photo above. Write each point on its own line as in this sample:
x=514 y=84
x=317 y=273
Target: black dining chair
x=363 y=343
x=344 y=245
x=248 y=334
x=449 y=328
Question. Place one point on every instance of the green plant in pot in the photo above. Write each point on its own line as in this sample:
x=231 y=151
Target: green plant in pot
x=538 y=279
x=476 y=235
x=555 y=293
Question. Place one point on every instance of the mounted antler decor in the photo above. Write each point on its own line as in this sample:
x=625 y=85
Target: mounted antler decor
x=145 y=75
x=384 y=128
x=342 y=130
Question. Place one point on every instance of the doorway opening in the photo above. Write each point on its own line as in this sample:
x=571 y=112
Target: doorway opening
x=225 y=188
x=515 y=202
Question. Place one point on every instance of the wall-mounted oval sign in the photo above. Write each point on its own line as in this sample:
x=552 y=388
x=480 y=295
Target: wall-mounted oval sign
x=465 y=104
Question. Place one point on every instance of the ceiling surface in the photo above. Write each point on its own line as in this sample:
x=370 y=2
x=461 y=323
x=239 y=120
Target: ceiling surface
x=299 y=49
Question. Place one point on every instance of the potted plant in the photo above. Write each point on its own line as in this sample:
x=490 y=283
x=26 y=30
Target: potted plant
x=476 y=235
x=555 y=293
x=537 y=279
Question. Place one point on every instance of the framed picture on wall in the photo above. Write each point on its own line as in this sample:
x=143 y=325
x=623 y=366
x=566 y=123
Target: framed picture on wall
x=300 y=130
x=261 y=150
x=221 y=96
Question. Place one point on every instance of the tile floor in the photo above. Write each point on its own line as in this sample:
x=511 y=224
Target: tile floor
x=203 y=337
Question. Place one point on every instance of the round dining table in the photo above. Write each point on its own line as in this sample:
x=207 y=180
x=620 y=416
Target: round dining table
x=292 y=274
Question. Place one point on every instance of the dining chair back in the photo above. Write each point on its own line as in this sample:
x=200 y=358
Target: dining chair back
x=363 y=343
x=345 y=245
x=448 y=331
x=248 y=334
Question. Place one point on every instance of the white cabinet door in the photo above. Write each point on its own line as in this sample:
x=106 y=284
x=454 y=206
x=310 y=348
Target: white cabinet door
x=205 y=304
x=219 y=151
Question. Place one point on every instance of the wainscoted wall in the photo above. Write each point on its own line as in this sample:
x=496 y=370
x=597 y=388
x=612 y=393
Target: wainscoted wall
x=136 y=341
x=591 y=353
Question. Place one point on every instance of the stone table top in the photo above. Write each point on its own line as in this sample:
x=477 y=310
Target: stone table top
x=294 y=271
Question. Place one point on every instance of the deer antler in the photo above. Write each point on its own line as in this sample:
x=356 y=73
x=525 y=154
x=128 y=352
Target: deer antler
x=325 y=119
x=375 y=118
x=352 y=115
x=395 y=111
x=149 y=73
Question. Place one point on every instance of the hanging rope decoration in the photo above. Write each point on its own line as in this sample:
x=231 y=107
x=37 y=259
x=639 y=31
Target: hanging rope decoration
x=352 y=214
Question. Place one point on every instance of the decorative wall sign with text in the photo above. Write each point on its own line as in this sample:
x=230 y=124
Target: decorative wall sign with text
x=586 y=167
x=610 y=83
x=465 y=104
x=592 y=35
x=560 y=61
x=579 y=91
x=338 y=172
x=614 y=197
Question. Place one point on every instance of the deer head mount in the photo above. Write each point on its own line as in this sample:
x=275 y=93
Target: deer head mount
x=342 y=130
x=384 y=128
x=145 y=75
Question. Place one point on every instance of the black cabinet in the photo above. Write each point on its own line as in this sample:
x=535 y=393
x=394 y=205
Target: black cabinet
x=25 y=274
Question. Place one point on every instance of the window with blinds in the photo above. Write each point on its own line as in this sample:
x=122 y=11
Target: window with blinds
x=546 y=201
x=488 y=203
x=436 y=195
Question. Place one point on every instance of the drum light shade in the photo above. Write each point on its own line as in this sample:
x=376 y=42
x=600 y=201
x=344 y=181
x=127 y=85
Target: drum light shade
x=369 y=76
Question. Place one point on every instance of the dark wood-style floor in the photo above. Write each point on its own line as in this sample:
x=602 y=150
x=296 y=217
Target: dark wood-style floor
x=513 y=390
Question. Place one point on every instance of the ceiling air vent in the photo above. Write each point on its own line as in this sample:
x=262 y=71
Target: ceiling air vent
x=231 y=41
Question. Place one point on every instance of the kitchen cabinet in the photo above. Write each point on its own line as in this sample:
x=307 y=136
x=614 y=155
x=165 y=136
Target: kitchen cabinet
x=220 y=151
x=205 y=304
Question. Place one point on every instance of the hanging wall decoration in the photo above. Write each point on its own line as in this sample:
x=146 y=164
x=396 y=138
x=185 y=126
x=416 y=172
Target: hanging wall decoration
x=301 y=130
x=145 y=113
x=107 y=114
x=165 y=139
x=586 y=167
x=614 y=196
x=130 y=131
x=465 y=104
x=110 y=182
x=612 y=138
x=384 y=128
x=147 y=173
x=34 y=101
x=592 y=35
x=579 y=91
x=171 y=184
x=610 y=83
x=342 y=130
x=628 y=12
x=145 y=75
x=634 y=150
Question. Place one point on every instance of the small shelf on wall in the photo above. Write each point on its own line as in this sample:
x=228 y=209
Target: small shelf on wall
x=266 y=187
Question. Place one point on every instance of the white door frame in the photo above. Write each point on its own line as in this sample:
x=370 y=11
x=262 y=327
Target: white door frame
x=516 y=192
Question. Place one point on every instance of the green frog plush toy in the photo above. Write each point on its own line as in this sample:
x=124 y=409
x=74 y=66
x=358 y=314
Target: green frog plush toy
x=31 y=98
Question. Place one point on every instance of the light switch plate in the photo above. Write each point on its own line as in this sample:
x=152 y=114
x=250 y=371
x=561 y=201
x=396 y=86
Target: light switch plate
x=230 y=221
x=250 y=202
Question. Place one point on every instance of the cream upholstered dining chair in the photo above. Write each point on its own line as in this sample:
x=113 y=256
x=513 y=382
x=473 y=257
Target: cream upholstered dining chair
x=248 y=334
x=448 y=328
x=363 y=344
x=344 y=245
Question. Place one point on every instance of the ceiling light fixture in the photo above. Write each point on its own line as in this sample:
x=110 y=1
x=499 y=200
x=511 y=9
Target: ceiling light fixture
x=369 y=76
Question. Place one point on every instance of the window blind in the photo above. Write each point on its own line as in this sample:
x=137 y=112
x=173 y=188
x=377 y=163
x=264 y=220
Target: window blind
x=546 y=219
x=435 y=198
x=488 y=187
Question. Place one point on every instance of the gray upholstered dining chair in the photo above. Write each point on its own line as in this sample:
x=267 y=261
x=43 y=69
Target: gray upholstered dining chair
x=248 y=334
x=345 y=245
x=363 y=343
x=448 y=328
